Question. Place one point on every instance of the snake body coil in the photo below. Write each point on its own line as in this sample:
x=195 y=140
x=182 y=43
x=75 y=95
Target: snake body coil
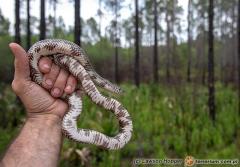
x=71 y=57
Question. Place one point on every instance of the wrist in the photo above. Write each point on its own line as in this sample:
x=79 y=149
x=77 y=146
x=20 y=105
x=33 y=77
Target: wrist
x=38 y=143
x=44 y=119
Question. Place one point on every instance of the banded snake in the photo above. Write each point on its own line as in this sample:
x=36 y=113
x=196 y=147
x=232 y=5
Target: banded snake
x=71 y=57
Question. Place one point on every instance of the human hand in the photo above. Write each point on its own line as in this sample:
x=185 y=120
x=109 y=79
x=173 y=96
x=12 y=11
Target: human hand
x=41 y=102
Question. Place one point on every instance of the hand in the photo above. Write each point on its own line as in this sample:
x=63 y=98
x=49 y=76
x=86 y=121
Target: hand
x=40 y=102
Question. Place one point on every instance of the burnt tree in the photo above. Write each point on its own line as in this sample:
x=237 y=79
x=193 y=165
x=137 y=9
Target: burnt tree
x=136 y=62
x=17 y=37
x=211 y=88
x=42 y=20
x=77 y=23
x=238 y=57
x=28 y=37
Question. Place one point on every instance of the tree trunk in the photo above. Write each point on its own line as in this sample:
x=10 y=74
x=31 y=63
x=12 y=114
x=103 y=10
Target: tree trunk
x=223 y=48
x=136 y=64
x=201 y=58
x=211 y=99
x=42 y=20
x=233 y=50
x=100 y=18
x=17 y=22
x=116 y=42
x=17 y=38
x=238 y=57
x=116 y=63
x=28 y=25
x=189 y=41
x=173 y=56
x=55 y=17
x=100 y=27
x=155 y=56
x=168 y=46
x=77 y=24
x=204 y=59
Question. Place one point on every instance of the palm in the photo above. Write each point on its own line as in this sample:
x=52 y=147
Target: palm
x=38 y=100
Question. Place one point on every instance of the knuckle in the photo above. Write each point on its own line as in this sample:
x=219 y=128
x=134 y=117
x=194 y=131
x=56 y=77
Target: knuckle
x=55 y=68
x=72 y=80
x=61 y=79
x=45 y=60
x=21 y=88
x=53 y=76
x=16 y=86
x=60 y=82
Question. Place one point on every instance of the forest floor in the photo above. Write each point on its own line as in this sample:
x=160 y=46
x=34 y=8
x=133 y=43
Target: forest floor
x=169 y=122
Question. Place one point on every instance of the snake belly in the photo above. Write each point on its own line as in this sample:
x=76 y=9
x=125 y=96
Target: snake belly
x=71 y=57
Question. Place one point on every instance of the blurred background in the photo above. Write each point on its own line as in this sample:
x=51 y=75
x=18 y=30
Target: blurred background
x=177 y=60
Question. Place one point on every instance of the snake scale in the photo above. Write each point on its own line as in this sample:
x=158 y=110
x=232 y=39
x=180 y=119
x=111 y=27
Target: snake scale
x=70 y=56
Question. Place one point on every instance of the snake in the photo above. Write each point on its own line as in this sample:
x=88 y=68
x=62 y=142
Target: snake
x=73 y=58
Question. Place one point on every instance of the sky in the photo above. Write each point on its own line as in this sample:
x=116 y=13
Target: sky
x=66 y=10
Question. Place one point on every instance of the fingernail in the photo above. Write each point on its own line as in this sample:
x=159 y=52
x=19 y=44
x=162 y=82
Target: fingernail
x=46 y=66
x=56 y=91
x=49 y=82
x=68 y=88
x=10 y=44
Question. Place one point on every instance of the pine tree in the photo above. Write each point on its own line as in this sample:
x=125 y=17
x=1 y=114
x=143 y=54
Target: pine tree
x=136 y=65
x=17 y=22
x=211 y=88
x=77 y=23
x=28 y=40
x=42 y=20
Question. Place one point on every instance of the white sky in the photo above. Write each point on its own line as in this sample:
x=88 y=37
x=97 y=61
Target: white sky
x=66 y=10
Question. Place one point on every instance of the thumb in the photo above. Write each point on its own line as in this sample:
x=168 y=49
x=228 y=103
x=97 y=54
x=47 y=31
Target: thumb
x=21 y=62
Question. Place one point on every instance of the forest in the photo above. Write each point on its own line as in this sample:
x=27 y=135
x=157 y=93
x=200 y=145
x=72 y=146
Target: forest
x=179 y=67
